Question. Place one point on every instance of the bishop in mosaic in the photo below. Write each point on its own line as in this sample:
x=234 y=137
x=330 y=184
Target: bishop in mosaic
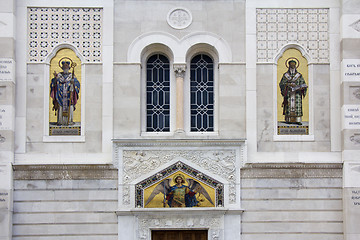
x=180 y=195
x=293 y=89
x=64 y=91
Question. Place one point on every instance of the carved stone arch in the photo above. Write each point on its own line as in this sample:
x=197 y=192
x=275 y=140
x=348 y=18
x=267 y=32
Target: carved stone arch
x=179 y=47
x=141 y=45
x=202 y=48
x=62 y=46
x=295 y=46
x=156 y=48
x=208 y=42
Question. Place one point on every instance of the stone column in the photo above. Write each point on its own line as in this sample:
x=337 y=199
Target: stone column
x=7 y=114
x=350 y=77
x=179 y=74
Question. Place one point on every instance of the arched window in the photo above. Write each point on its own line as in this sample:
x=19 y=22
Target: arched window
x=158 y=94
x=202 y=93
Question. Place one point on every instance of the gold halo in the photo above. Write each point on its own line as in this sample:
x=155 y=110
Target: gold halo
x=71 y=62
x=179 y=175
x=292 y=59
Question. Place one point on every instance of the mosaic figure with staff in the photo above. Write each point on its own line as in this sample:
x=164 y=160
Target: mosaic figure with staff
x=64 y=90
x=293 y=89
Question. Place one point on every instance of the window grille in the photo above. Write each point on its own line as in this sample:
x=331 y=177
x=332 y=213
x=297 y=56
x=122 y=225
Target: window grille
x=202 y=94
x=158 y=94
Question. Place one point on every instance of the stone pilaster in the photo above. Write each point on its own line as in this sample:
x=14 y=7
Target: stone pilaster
x=7 y=114
x=350 y=76
x=179 y=74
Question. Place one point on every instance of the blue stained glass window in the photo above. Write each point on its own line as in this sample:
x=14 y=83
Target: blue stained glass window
x=158 y=94
x=202 y=94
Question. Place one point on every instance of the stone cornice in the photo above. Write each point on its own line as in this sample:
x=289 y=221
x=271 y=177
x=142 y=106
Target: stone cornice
x=64 y=172
x=178 y=142
x=291 y=170
x=177 y=211
x=294 y=165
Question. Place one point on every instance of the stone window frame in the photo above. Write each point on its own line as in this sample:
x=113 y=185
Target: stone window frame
x=147 y=53
x=151 y=126
x=212 y=53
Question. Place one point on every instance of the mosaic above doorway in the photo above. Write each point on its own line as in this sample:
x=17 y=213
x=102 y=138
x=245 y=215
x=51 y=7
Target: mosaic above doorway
x=179 y=185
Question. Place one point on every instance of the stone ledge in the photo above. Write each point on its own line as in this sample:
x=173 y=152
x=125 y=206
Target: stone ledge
x=64 y=172
x=178 y=211
x=291 y=170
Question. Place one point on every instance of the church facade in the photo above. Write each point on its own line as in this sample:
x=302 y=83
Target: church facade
x=148 y=120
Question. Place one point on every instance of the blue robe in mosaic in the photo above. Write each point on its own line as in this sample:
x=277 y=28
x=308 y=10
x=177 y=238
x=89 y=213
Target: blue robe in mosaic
x=65 y=96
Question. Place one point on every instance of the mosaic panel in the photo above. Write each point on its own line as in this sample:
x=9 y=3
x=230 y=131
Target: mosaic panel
x=179 y=166
x=278 y=27
x=48 y=27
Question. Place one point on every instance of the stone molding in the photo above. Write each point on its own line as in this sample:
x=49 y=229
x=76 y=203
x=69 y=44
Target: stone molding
x=64 y=172
x=296 y=170
x=179 y=47
x=179 y=142
x=213 y=222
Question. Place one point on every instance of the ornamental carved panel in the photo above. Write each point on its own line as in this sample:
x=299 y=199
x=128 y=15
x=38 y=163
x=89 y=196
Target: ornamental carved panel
x=278 y=27
x=48 y=27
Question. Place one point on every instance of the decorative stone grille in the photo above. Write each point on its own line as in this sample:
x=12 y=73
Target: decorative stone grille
x=278 y=27
x=48 y=27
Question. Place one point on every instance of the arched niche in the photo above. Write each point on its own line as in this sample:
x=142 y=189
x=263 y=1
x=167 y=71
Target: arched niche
x=293 y=91
x=72 y=104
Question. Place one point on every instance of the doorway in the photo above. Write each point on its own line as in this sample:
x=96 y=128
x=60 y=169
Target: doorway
x=179 y=235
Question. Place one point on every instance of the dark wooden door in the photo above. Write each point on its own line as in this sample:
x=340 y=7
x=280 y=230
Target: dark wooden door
x=179 y=235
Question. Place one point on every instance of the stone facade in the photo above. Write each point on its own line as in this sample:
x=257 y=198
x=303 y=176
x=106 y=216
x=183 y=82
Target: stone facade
x=88 y=186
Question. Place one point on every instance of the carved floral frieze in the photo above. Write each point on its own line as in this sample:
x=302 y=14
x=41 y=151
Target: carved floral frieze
x=211 y=222
x=140 y=163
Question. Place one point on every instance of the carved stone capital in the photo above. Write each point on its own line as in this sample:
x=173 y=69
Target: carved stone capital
x=179 y=70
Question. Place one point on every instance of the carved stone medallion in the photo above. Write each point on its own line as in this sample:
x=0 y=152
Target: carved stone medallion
x=179 y=18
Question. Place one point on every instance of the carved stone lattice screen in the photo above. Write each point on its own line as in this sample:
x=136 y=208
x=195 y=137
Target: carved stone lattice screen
x=278 y=27
x=48 y=27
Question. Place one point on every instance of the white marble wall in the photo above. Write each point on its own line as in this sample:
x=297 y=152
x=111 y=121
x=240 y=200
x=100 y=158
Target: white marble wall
x=230 y=76
x=283 y=204
x=133 y=18
x=350 y=40
x=7 y=114
x=35 y=113
x=320 y=108
x=57 y=206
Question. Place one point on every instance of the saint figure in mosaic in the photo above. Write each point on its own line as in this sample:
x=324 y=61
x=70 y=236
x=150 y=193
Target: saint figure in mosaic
x=64 y=91
x=293 y=89
x=180 y=195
